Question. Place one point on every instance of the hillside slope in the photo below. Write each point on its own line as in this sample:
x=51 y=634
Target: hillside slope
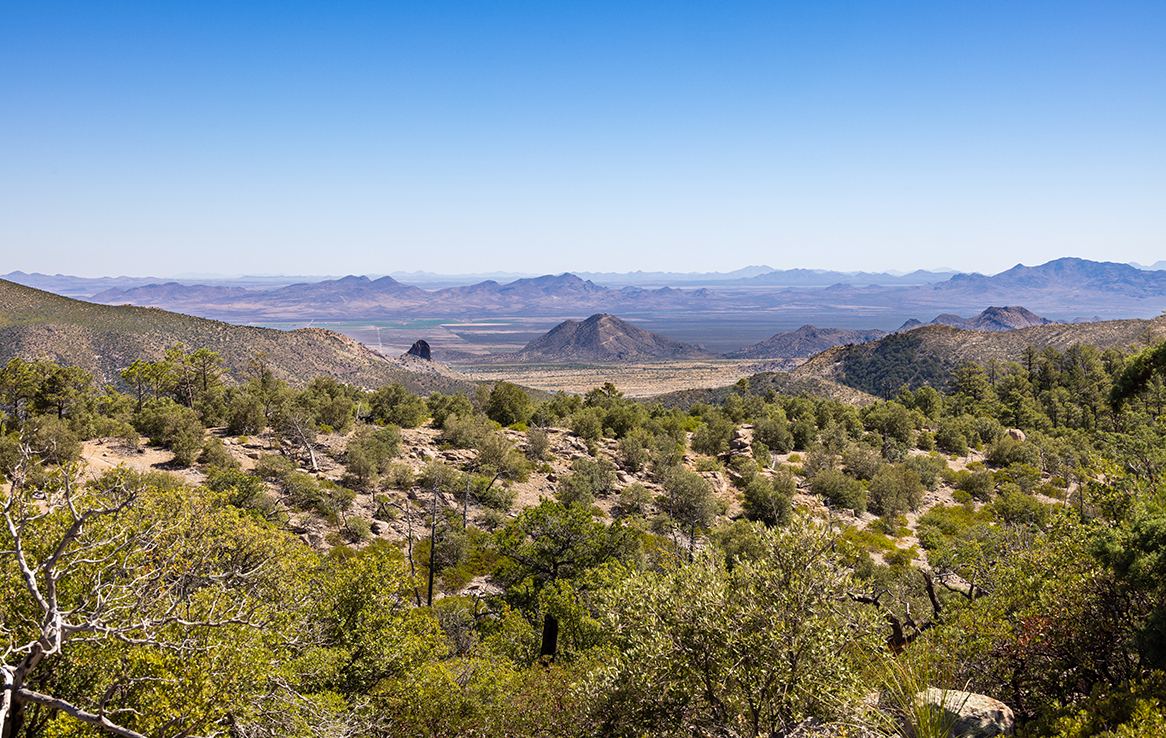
x=105 y=339
x=805 y=341
x=927 y=355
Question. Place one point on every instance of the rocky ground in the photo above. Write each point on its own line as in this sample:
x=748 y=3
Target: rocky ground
x=420 y=447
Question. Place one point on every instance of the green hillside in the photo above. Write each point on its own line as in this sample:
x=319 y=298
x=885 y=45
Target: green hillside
x=928 y=355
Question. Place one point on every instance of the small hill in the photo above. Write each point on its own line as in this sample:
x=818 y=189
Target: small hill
x=104 y=339
x=928 y=355
x=784 y=383
x=601 y=338
x=805 y=341
x=992 y=319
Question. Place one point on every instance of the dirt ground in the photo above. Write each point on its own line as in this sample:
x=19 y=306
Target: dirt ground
x=420 y=447
x=634 y=380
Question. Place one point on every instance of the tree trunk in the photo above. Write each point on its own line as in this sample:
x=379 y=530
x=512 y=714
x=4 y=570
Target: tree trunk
x=550 y=645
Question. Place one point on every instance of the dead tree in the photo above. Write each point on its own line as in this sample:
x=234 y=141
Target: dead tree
x=906 y=629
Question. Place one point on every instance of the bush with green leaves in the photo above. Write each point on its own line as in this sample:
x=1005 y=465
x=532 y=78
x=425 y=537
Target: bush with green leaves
x=768 y=500
x=861 y=462
x=634 y=499
x=687 y=499
x=508 y=404
x=538 y=444
x=929 y=468
x=370 y=450
x=442 y=406
x=893 y=490
x=699 y=647
x=633 y=450
x=215 y=453
x=951 y=438
x=712 y=438
x=394 y=405
x=775 y=433
x=840 y=490
x=589 y=478
x=588 y=423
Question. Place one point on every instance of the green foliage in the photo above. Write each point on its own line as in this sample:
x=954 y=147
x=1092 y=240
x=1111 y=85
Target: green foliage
x=215 y=453
x=701 y=646
x=712 y=438
x=393 y=404
x=893 y=490
x=370 y=450
x=840 y=490
x=768 y=500
x=893 y=362
x=687 y=498
x=508 y=404
x=441 y=407
x=465 y=431
x=634 y=499
x=589 y=478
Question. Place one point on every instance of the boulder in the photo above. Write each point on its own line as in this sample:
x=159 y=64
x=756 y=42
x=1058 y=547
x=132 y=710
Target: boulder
x=1017 y=434
x=972 y=715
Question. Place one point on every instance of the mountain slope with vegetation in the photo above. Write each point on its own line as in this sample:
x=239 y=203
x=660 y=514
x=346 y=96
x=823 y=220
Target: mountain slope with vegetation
x=340 y=562
x=805 y=341
x=929 y=354
x=103 y=340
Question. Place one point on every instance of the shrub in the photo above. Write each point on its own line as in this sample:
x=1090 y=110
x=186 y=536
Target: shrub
x=538 y=443
x=274 y=468
x=744 y=468
x=862 y=463
x=928 y=468
x=442 y=406
x=508 y=404
x=633 y=451
x=393 y=404
x=1007 y=450
x=712 y=438
x=588 y=424
x=707 y=464
x=634 y=499
x=369 y=450
x=804 y=433
x=951 y=439
x=215 y=453
x=840 y=489
x=465 y=431
x=895 y=489
x=774 y=433
x=768 y=501
x=687 y=498
x=589 y=478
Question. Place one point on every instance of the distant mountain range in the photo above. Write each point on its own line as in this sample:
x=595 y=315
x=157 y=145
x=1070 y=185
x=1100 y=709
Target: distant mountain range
x=735 y=310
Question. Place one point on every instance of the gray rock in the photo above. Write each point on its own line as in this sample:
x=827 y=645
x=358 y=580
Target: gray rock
x=972 y=715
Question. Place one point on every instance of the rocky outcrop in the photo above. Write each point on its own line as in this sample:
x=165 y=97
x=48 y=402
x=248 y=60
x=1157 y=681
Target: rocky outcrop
x=420 y=348
x=971 y=715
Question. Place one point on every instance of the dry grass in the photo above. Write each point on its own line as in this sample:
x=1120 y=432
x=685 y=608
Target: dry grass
x=634 y=380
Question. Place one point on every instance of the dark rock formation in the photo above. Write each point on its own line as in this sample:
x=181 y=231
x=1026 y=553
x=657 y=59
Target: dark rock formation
x=421 y=349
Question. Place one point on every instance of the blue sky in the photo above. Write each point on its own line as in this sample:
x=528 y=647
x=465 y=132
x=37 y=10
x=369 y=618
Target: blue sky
x=330 y=138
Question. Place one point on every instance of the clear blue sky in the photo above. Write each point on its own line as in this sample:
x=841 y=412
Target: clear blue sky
x=329 y=138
